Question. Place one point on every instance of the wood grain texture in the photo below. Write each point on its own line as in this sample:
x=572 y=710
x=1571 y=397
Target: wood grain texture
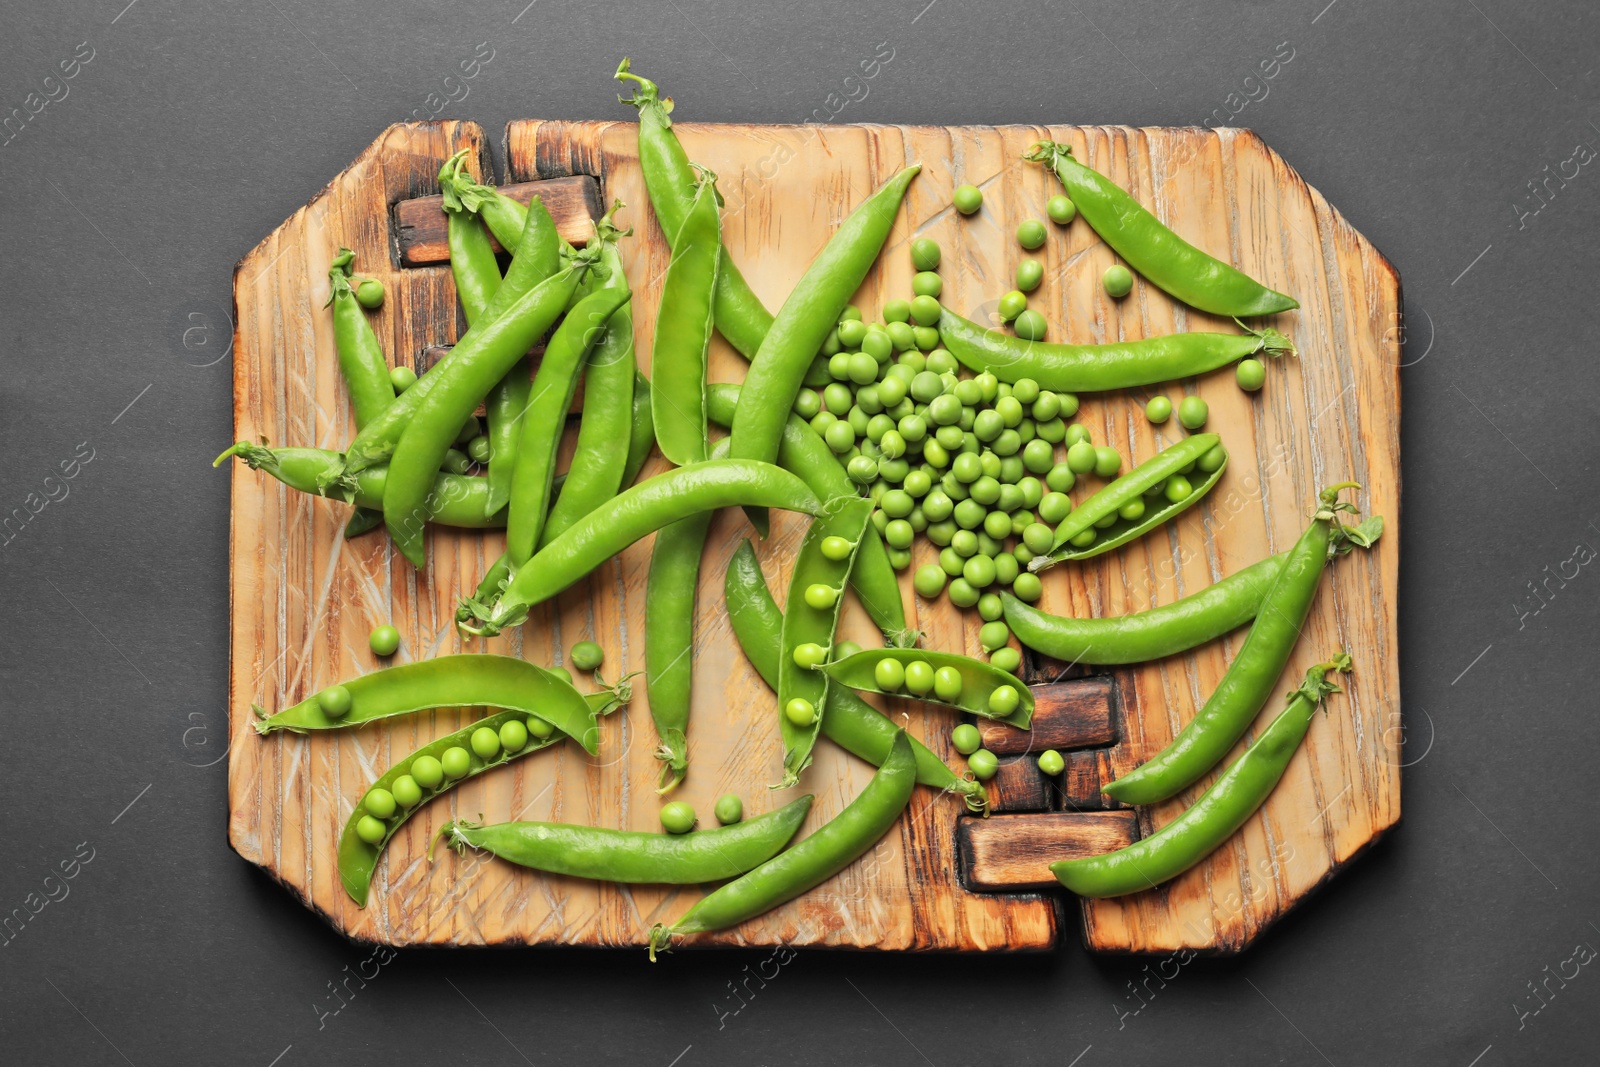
x=1071 y=714
x=420 y=233
x=1005 y=853
x=303 y=600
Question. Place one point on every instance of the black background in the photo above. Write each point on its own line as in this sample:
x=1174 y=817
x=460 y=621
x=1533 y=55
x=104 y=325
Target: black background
x=196 y=128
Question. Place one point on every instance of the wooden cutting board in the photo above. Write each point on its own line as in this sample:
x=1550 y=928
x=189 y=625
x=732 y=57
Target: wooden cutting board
x=303 y=599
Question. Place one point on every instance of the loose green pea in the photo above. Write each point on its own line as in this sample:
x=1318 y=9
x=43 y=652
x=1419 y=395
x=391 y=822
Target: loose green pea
x=925 y=254
x=850 y=312
x=1061 y=210
x=1010 y=497
x=384 y=641
x=877 y=345
x=1061 y=478
x=456 y=462
x=455 y=762
x=1030 y=272
x=925 y=310
x=1107 y=462
x=427 y=771
x=821 y=597
x=898 y=534
x=852 y=332
x=379 y=802
x=1006 y=659
x=891 y=391
x=940 y=532
x=983 y=764
x=334 y=701
x=513 y=735
x=587 y=656
x=928 y=582
x=979 y=572
x=1039 y=537
x=965 y=545
x=1250 y=374
x=478 y=450
x=1038 y=456
x=962 y=594
x=913 y=428
x=1032 y=490
x=861 y=368
x=893 y=446
x=1027 y=586
x=1003 y=700
x=1051 y=763
x=485 y=742
x=915 y=362
x=986 y=490
x=1117 y=280
x=1213 y=460
x=729 y=809
x=677 y=817
x=890 y=674
x=919 y=677
x=537 y=727
x=947 y=684
x=1054 y=507
x=1193 y=412
x=1158 y=410
x=1031 y=234
x=369 y=294
x=1081 y=458
x=371 y=830
x=902 y=337
x=988 y=546
x=841 y=437
x=897 y=503
x=1031 y=326
x=402 y=378
x=997 y=524
x=800 y=711
x=862 y=470
x=893 y=470
x=989 y=607
x=839 y=366
x=966 y=739
x=807 y=403
x=926 y=283
x=1005 y=568
x=407 y=793
x=896 y=311
x=1011 y=305
x=967 y=199
x=809 y=654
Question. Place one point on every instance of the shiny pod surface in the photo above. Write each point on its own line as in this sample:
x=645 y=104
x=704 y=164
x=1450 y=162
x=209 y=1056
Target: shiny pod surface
x=979 y=680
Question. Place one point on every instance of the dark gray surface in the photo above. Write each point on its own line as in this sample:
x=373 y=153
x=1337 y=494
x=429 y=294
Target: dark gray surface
x=196 y=128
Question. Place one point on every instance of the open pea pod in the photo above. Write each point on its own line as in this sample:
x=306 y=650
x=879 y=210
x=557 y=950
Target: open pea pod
x=358 y=857
x=917 y=673
x=463 y=681
x=1136 y=487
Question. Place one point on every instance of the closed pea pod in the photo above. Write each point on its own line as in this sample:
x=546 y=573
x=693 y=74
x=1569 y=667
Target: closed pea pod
x=812 y=617
x=472 y=261
x=1206 y=739
x=642 y=437
x=850 y=722
x=683 y=330
x=1158 y=254
x=1080 y=535
x=1235 y=796
x=624 y=519
x=1094 y=368
x=434 y=768
x=966 y=684
x=813 y=860
x=669 y=178
x=632 y=857
x=461 y=681
x=1147 y=635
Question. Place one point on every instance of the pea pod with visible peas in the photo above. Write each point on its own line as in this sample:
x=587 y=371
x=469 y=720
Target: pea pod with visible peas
x=683 y=329
x=361 y=362
x=1079 y=536
x=669 y=178
x=811 y=616
x=946 y=678
x=460 y=681
x=643 y=509
x=631 y=857
x=1146 y=635
x=1235 y=796
x=436 y=768
x=1233 y=705
x=850 y=722
x=813 y=860
x=1074 y=368
x=1161 y=256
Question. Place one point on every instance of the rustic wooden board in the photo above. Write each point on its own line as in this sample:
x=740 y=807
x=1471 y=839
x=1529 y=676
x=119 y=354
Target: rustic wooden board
x=303 y=600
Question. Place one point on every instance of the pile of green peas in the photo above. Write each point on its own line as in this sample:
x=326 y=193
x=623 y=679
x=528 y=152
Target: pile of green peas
x=984 y=764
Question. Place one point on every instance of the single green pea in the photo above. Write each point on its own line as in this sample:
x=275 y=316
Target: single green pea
x=1011 y=305
x=478 y=450
x=902 y=337
x=929 y=583
x=893 y=445
x=961 y=593
x=1053 y=430
x=384 y=641
x=1006 y=444
x=729 y=809
x=966 y=738
x=379 y=802
x=830 y=344
x=1032 y=490
x=1061 y=210
x=485 y=742
x=986 y=490
x=925 y=254
x=836 y=548
x=913 y=428
x=1031 y=234
x=989 y=607
x=915 y=362
x=1084 y=539
x=968 y=416
x=951 y=561
x=890 y=674
x=677 y=817
x=952 y=438
x=997 y=524
x=919 y=677
x=1118 y=281
x=334 y=701
x=469 y=429
x=1039 y=537
x=456 y=462
x=877 y=426
x=1105 y=522
x=369 y=294
x=841 y=437
x=1003 y=700
x=988 y=546
x=899 y=534
x=837 y=398
x=1027 y=430
x=862 y=470
x=896 y=311
x=926 y=283
x=969 y=392
x=821 y=597
x=1158 y=410
x=1009 y=408
x=852 y=332
x=839 y=366
x=892 y=389
x=967 y=468
x=897 y=503
x=1051 y=763
x=1069 y=404
x=1031 y=326
x=892 y=469
x=877 y=345
x=1025 y=391
x=455 y=762
x=1006 y=659
x=402 y=378
x=965 y=545
x=1038 y=456
x=1005 y=567
x=800 y=711
x=918 y=521
x=1107 y=462
x=937 y=505
x=587 y=656
x=1132 y=511
x=809 y=654
x=807 y=403
x=862 y=368
x=539 y=728
x=1046 y=407
x=925 y=310
x=371 y=830
x=926 y=386
x=979 y=572
x=1030 y=272
x=1028 y=587
x=513 y=735
x=969 y=514
x=850 y=312
x=427 y=771
x=967 y=199
x=1193 y=412
x=983 y=764
x=1213 y=460
x=1081 y=458
x=1010 y=497
x=857 y=420
x=986 y=426
x=940 y=532
x=947 y=684
x=822 y=421
x=1061 y=478
x=407 y=793
x=1250 y=374
x=944 y=410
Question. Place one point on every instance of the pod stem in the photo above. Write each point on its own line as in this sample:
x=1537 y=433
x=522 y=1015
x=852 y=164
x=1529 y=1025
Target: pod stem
x=906 y=638
x=645 y=94
x=1046 y=152
x=1316 y=686
x=339 y=275
x=1273 y=343
x=674 y=757
x=975 y=796
x=457 y=839
x=660 y=940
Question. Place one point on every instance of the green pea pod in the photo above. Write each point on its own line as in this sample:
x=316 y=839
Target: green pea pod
x=455 y=500
x=1131 y=487
x=601 y=457
x=806 y=319
x=1068 y=368
x=632 y=857
x=377 y=440
x=363 y=520
x=1161 y=256
x=358 y=859
x=683 y=331
x=851 y=723
x=1147 y=635
x=642 y=437
x=807 y=623
x=647 y=507
x=462 y=681
x=811 y=862
x=546 y=415
x=1203 y=743
x=806 y=454
x=979 y=681
x=669 y=177
x=1236 y=795
x=361 y=358
x=669 y=616
x=472 y=259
